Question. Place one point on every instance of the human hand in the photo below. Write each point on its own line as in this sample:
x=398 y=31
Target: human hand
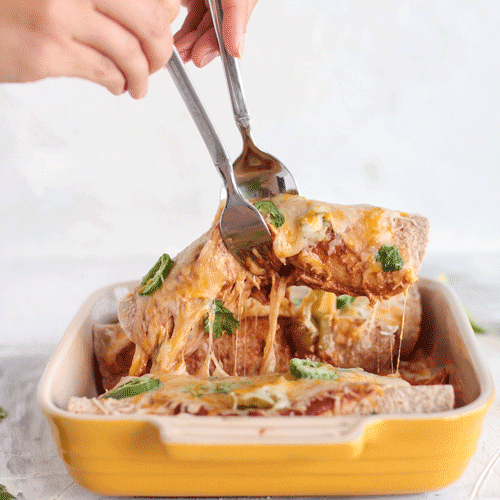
x=197 y=41
x=115 y=43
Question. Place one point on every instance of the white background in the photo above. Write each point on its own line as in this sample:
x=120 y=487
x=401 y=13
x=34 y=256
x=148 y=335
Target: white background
x=394 y=103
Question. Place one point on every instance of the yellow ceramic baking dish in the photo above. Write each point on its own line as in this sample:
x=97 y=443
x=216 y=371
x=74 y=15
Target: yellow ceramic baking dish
x=212 y=456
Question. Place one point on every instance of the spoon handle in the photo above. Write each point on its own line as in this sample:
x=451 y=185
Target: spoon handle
x=205 y=126
x=232 y=70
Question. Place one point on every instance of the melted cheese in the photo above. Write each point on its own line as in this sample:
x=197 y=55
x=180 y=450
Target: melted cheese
x=271 y=394
x=322 y=307
x=308 y=222
x=277 y=294
x=168 y=325
x=330 y=242
x=263 y=393
x=326 y=329
x=401 y=335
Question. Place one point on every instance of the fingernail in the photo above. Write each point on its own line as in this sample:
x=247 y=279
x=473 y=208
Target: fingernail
x=209 y=56
x=241 y=46
x=184 y=55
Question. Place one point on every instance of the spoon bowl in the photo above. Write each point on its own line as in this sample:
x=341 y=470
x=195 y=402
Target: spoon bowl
x=259 y=174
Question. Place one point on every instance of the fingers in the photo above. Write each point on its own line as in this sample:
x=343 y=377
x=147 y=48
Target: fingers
x=117 y=43
x=234 y=24
x=196 y=39
x=99 y=69
x=195 y=13
x=134 y=35
x=147 y=21
x=122 y=48
x=199 y=43
x=205 y=49
x=197 y=22
x=50 y=58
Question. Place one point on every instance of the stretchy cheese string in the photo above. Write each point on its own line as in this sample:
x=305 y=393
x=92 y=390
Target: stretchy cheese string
x=368 y=327
x=402 y=331
x=379 y=333
x=391 y=345
x=170 y=354
x=278 y=290
x=139 y=361
x=242 y=299
x=204 y=370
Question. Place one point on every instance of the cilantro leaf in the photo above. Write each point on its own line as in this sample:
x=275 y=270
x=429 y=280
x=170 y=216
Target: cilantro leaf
x=306 y=368
x=3 y=414
x=267 y=206
x=209 y=388
x=344 y=300
x=390 y=258
x=4 y=494
x=134 y=387
x=224 y=321
x=476 y=327
x=156 y=275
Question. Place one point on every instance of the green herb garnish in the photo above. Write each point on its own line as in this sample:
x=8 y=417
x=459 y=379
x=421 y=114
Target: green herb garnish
x=3 y=414
x=224 y=321
x=344 y=300
x=133 y=388
x=267 y=206
x=390 y=258
x=212 y=388
x=156 y=275
x=476 y=327
x=306 y=368
x=4 y=494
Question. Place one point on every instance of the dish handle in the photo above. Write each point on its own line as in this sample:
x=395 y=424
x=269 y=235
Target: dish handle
x=186 y=437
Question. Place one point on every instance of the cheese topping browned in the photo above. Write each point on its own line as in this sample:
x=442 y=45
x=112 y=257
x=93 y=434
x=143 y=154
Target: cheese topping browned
x=326 y=247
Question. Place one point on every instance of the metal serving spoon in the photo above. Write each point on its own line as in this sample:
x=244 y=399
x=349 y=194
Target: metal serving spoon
x=257 y=173
x=243 y=228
